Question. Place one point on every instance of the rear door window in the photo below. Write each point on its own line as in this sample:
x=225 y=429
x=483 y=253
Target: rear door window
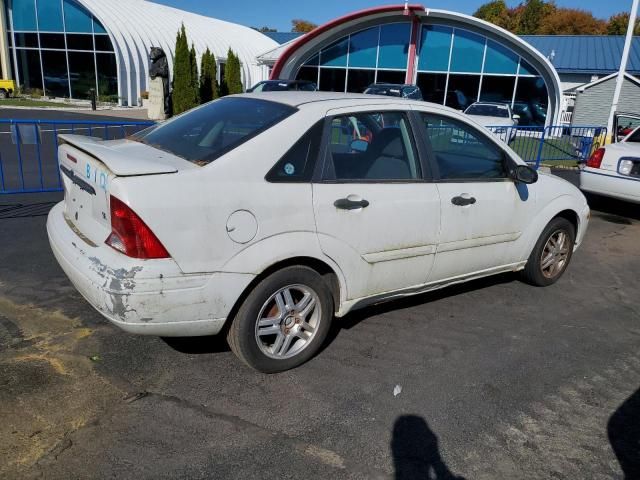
x=208 y=132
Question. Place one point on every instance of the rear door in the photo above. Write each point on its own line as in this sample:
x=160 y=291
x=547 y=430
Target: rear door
x=377 y=214
x=483 y=211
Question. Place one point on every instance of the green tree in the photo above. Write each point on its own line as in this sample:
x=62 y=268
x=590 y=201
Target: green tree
x=532 y=15
x=492 y=11
x=184 y=95
x=195 y=81
x=233 y=74
x=618 y=24
x=208 y=74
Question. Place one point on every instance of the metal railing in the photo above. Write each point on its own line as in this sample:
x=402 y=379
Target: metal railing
x=557 y=145
x=29 y=164
x=28 y=150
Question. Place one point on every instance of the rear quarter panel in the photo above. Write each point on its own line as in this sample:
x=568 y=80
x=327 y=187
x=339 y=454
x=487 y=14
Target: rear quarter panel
x=188 y=211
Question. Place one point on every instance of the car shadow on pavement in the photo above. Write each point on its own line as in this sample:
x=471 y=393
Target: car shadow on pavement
x=198 y=345
x=624 y=436
x=415 y=450
x=218 y=343
x=612 y=210
x=354 y=318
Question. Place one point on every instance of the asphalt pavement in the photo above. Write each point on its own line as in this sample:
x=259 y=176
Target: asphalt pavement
x=494 y=379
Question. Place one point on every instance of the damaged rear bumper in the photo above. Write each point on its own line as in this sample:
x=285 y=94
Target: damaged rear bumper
x=151 y=297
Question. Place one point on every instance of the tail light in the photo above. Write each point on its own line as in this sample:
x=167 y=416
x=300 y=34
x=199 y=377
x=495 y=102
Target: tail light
x=596 y=158
x=130 y=235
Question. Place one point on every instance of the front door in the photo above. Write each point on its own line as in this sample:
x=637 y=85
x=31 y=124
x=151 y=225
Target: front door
x=376 y=216
x=483 y=211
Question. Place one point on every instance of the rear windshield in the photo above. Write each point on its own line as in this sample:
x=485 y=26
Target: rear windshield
x=210 y=131
x=489 y=110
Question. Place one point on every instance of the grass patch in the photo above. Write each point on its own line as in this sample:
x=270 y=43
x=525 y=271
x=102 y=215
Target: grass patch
x=29 y=102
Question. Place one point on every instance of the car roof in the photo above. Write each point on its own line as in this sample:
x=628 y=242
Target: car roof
x=336 y=99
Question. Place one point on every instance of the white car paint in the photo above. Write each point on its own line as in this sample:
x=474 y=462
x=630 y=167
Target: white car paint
x=610 y=179
x=224 y=225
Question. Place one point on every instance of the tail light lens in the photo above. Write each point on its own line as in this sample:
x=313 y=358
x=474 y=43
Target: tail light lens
x=596 y=158
x=131 y=236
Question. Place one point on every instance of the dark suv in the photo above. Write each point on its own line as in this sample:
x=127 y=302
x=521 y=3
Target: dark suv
x=283 y=86
x=395 y=90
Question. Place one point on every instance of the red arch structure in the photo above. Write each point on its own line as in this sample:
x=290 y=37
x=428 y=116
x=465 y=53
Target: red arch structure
x=301 y=50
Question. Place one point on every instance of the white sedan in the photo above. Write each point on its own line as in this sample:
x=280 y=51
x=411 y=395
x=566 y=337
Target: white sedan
x=266 y=216
x=614 y=170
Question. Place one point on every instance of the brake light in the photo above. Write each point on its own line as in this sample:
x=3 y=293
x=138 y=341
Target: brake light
x=596 y=158
x=130 y=235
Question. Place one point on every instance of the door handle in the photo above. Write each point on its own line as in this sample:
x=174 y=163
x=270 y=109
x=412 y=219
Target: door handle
x=463 y=200
x=348 y=204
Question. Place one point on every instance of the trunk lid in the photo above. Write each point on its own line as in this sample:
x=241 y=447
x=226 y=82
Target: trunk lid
x=88 y=166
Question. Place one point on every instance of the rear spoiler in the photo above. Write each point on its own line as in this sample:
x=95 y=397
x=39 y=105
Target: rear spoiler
x=117 y=160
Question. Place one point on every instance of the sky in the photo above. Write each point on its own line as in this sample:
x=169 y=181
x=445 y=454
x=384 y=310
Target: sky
x=279 y=13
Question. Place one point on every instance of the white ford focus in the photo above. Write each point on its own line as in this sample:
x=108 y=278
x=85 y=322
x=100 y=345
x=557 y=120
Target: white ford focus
x=266 y=216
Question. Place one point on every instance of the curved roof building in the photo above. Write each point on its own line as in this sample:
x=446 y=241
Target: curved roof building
x=105 y=44
x=456 y=59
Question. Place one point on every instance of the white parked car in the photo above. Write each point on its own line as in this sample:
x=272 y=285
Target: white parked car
x=614 y=170
x=266 y=216
x=498 y=117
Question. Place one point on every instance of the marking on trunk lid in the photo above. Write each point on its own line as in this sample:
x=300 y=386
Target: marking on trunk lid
x=78 y=181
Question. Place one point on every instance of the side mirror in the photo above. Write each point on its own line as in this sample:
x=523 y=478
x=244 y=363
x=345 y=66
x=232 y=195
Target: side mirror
x=515 y=116
x=359 y=145
x=525 y=174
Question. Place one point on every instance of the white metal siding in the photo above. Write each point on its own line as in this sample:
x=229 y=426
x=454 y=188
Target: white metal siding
x=134 y=26
x=594 y=103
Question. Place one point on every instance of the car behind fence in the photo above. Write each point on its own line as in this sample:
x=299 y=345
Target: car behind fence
x=28 y=148
x=553 y=146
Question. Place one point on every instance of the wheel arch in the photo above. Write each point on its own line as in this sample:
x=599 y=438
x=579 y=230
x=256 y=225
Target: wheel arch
x=328 y=272
x=572 y=216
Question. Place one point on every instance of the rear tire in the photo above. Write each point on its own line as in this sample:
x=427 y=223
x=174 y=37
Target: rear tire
x=552 y=254
x=283 y=321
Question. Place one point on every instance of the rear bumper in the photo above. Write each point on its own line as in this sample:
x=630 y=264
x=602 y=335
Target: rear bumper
x=610 y=184
x=151 y=297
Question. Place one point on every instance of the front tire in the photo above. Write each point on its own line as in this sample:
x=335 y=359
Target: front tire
x=551 y=255
x=283 y=321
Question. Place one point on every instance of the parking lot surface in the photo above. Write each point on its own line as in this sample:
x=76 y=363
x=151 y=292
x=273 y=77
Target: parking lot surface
x=493 y=379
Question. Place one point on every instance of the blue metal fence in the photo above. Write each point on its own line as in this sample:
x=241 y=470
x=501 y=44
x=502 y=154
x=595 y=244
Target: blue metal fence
x=28 y=150
x=29 y=164
x=554 y=145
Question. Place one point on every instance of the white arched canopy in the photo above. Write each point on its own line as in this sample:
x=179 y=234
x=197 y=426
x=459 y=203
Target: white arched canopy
x=135 y=26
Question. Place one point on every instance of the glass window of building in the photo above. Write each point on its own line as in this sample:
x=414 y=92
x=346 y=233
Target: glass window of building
x=54 y=66
x=435 y=48
x=394 y=46
x=50 y=16
x=29 y=69
x=363 y=49
x=467 y=53
x=24 y=15
x=57 y=63
x=76 y=18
